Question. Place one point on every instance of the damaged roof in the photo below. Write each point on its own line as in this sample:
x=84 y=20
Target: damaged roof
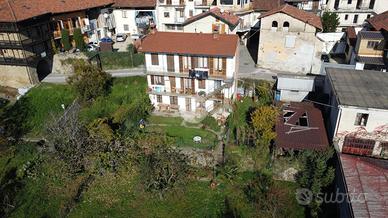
x=300 y=126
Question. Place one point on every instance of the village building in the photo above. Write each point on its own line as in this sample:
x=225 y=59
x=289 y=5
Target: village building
x=355 y=12
x=134 y=17
x=288 y=41
x=367 y=46
x=29 y=31
x=358 y=111
x=299 y=127
x=190 y=72
x=307 y=5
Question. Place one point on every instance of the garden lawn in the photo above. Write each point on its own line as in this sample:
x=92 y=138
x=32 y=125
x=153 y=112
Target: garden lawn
x=40 y=104
x=183 y=135
x=124 y=92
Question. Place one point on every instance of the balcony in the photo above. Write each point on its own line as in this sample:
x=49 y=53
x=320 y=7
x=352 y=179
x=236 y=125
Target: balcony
x=199 y=73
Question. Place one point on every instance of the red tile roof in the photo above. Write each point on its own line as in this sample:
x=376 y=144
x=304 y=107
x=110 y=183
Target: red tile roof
x=296 y=13
x=367 y=183
x=379 y=21
x=25 y=9
x=266 y=5
x=227 y=17
x=135 y=3
x=351 y=34
x=190 y=43
x=290 y=133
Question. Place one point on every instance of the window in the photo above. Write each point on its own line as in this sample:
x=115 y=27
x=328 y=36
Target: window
x=190 y=13
x=179 y=27
x=169 y=2
x=384 y=149
x=290 y=41
x=361 y=119
x=202 y=84
x=286 y=25
x=346 y=16
x=372 y=44
x=159 y=98
x=355 y=19
x=174 y=100
x=275 y=24
x=181 y=12
x=368 y=16
x=227 y=2
x=124 y=14
x=371 y=4
x=126 y=27
x=166 y=14
x=159 y=80
x=154 y=59
x=218 y=64
x=202 y=62
x=170 y=26
x=349 y=2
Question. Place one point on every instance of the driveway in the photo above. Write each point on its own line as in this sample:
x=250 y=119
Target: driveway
x=122 y=46
x=248 y=69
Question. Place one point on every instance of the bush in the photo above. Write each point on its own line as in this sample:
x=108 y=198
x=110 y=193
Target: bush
x=79 y=39
x=65 y=39
x=89 y=81
x=211 y=123
x=330 y=21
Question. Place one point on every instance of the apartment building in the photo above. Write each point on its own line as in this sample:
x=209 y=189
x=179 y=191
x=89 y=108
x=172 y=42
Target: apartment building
x=30 y=29
x=190 y=72
x=358 y=115
x=288 y=41
x=355 y=12
x=315 y=6
x=134 y=17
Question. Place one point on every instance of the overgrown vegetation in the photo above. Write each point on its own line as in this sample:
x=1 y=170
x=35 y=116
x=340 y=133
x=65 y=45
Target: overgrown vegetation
x=79 y=39
x=119 y=60
x=65 y=39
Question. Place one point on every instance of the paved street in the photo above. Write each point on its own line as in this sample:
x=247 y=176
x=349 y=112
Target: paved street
x=59 y=78
x=247 y=68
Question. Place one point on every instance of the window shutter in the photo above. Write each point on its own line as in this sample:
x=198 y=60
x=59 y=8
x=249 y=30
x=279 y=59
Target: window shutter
x=193 y=85
x=152 y=80
x=211 y=63
x=224 y=65
x=180 y=63
x=182 y=84
x=194 y=61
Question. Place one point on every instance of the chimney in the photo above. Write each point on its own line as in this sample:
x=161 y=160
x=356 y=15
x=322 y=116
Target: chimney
x=215 y=35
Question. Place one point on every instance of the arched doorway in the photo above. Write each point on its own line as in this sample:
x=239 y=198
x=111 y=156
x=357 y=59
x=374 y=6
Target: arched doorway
x=43 y=69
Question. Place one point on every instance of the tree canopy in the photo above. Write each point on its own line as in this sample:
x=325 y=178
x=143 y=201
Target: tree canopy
x=330 y=21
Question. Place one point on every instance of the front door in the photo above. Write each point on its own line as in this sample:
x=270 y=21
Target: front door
x=188 y=104
x=170 y=63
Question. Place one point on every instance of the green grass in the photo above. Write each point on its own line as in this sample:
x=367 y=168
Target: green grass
x=119 y=60
x=124 y=92
x=183 y=135
x=40 y=104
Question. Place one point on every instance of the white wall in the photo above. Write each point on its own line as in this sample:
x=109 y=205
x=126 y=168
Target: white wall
x=204 y=25
x=294 y=88
x=301 y=58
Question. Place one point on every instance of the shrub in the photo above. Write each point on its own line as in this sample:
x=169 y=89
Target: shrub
x=89 y=81
x=211 y=123
x=330 y=21
x=79 y=39
x=65 y=39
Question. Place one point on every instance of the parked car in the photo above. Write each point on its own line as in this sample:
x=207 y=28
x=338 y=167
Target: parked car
x=136 y=36
x=92 y=47
x=121 y=37
x=106 y=39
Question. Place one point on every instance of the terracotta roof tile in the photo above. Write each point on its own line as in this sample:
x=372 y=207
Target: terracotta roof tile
x=135 y=3
x=292 y=135
x=25 y=9
x=190 y=43
x=379 y=21
x=227 y=17
x=351 y=34
x=266 y=5
x=296 y=13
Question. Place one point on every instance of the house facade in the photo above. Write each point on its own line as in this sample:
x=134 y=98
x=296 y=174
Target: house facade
x=358 y=115
x=29 y=31
x=134 y=17
x=287 y=38
x=355 y=12
x=190 y=72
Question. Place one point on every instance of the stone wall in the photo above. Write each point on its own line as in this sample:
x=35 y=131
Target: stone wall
x=17 y=76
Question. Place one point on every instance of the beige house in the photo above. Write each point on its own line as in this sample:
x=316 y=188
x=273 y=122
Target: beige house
x=288 y=41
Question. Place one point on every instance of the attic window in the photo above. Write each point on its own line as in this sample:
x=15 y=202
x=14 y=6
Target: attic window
x=287 y=115
x=303 y=121
x=274 y=24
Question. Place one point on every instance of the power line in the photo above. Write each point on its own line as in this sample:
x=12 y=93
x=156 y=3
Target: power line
x=315 y=102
